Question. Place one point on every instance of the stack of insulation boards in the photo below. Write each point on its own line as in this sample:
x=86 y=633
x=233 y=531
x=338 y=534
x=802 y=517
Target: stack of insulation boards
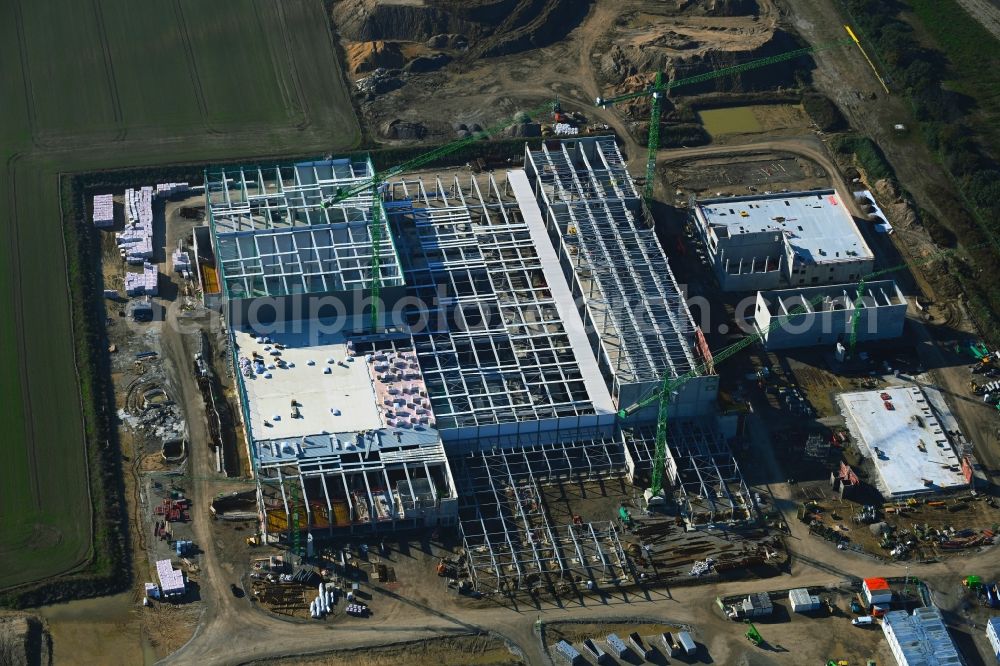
x=104 y=211
x=144 y=283
x=171 y=580
x=170 y=189
x=136 y=241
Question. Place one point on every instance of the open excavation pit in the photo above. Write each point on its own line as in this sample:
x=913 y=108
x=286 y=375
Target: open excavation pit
x=493 y=58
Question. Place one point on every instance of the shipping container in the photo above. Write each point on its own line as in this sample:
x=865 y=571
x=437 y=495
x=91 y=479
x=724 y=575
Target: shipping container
x=635 y=640
x=616 y=645
x=569 y=653
x=670 y=644
x=687 y=643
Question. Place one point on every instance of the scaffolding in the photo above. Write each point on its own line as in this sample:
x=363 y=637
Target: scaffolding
x=273 y=237
x=621 y=277
x=492 y=345
x=511 y=541
x=707 y=485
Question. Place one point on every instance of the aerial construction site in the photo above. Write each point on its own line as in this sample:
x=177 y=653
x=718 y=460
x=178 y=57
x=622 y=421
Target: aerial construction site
x=604 y=332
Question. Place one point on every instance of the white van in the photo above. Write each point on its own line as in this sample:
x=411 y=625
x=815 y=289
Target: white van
x=863 y=621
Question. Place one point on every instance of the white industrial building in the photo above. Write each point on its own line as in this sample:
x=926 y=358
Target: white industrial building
x=782 y=240
x=920 y=639
x=898 y=430
x=809 y=316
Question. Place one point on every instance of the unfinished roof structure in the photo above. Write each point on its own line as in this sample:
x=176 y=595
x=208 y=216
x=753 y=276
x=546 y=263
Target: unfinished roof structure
x=516 y=538
x=795 y=238
x=518 y=333
x=504 y=357
x=272 y=237
x=705 y=479
x=824 y=315
x=639 y=323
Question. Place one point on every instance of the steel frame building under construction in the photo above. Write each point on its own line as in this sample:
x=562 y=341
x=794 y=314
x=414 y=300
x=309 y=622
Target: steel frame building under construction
x=532 y=307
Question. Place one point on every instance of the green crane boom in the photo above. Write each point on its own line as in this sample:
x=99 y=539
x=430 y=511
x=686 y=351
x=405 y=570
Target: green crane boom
x=856 y=317
x=654 y=139
x=376 y=236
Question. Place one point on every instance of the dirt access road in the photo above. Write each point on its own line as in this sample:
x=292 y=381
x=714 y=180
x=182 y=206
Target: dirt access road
x=986 y=12
x=807 y=146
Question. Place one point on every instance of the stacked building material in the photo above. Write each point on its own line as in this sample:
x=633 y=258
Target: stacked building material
x=104 y=211
x=136 y=241
x=182 y=262
x=171 y=580
x=144 y=283
x=166 y=190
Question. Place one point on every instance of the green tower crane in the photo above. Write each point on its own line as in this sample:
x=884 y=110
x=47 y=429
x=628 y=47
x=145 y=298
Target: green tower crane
x=658 y=90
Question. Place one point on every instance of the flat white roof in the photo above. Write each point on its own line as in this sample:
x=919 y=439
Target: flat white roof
x=348 y=386
x=906 y=443
x=817 y=224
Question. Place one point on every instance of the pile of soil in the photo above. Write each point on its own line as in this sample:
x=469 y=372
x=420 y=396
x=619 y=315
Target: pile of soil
x=679 y=58
x=369 y=56
x=486 y=28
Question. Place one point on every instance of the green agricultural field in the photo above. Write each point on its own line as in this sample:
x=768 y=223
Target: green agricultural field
x=111 y=84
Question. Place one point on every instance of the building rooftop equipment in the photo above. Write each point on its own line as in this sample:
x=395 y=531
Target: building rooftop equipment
x=310 y=383
x=621 y=279
x=903 y=438
x=273 y=238
x=920 y=639
x=817 y=224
